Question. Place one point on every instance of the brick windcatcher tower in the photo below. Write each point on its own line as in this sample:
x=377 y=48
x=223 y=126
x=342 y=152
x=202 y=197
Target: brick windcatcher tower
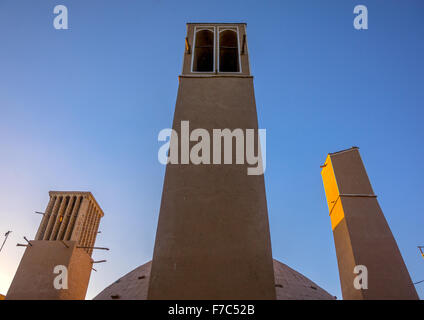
x=361 y=233
x=65 y=237
x=213 y=239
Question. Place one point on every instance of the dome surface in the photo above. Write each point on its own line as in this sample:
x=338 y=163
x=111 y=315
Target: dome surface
x=289 y=285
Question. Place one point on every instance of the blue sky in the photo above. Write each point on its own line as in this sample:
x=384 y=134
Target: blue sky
x=80 y=109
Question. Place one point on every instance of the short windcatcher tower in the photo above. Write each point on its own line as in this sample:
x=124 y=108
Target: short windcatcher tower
x=65 y=238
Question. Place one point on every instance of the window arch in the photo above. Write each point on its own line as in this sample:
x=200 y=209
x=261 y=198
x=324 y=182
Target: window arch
x=203 y=58
x=228 y=51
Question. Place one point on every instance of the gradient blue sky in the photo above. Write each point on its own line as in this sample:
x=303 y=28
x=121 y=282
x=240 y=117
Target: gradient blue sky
x=81 y=110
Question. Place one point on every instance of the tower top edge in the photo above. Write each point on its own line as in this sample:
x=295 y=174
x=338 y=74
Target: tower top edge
x=343 y=151
x=87 y=194
x=216 y=23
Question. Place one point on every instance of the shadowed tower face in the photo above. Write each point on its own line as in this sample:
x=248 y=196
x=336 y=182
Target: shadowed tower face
x=65 y=237
x=361 y=233
x=213 y=238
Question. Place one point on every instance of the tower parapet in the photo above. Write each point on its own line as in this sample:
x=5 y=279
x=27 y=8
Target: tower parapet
x=71 y=216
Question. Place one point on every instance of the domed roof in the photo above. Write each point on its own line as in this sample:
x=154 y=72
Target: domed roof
x=289 y=285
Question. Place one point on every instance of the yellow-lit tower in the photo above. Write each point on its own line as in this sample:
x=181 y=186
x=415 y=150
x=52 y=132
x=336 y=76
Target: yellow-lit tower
x=361 y=234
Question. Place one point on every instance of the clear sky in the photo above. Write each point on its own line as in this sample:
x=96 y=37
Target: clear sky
x=80 y=109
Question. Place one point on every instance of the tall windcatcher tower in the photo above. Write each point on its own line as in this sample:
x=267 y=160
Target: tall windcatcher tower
x=361 y=233
x=65 y=238
x=213 y=239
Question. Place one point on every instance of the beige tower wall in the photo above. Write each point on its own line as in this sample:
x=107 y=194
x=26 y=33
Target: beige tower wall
x=34 y=277
x=213 y=239
x=361 y=233
x=65 y=237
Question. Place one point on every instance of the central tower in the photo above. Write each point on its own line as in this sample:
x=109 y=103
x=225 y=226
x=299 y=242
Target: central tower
x=213 y=239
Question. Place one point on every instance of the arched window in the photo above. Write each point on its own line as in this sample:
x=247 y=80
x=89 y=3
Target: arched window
x=228 y=51
x=203 y=51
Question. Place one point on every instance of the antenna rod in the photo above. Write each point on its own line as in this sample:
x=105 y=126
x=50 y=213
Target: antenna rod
x=6 y=235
